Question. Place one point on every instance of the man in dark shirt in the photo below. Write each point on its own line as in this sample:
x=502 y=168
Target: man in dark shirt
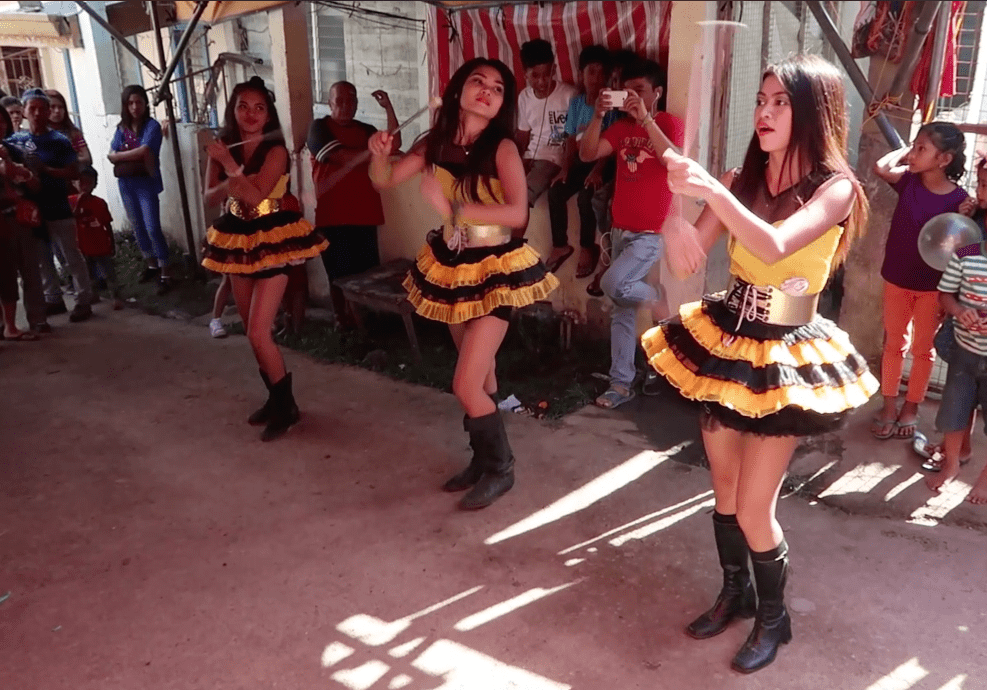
x=349 y=212
x=51 y=157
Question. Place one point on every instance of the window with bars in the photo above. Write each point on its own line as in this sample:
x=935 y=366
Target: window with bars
x=328 y=50
x=967 y=52
x=20 y=70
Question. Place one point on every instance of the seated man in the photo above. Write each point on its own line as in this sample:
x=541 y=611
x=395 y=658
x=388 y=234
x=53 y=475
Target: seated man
x=542 y=107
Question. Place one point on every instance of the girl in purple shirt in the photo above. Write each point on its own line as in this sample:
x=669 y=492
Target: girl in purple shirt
x=924 y=175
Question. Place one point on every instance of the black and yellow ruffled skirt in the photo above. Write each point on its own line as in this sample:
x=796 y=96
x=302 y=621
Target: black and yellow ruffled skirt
x=454 y=287
x=262 y=245
x=761 y=378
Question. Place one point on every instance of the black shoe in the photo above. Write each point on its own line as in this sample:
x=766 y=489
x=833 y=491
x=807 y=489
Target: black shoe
x=149 y=274
x=42 y=328
x=164 y=286
x=56 y=308
x=497 y=460
x=81 y=312
x=772 y=626
x=260 y=416
x=471 y=475
x=284 y=412
x=736 y=599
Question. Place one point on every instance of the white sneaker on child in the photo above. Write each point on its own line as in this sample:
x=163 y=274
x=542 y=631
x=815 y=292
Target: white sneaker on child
x=216 y=329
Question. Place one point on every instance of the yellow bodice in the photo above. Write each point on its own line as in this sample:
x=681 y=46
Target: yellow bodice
x=812 y=263
x=454 y=193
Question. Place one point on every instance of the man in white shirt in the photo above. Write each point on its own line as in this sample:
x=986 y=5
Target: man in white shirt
x=542 y=108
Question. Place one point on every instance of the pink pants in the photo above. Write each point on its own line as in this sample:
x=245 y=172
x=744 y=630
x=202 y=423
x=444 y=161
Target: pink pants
x=922 y=312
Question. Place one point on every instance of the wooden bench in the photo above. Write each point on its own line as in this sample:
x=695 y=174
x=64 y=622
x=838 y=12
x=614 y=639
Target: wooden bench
x=380 y=289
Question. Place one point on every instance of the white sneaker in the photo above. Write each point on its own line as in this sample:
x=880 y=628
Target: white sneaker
x=216 y=329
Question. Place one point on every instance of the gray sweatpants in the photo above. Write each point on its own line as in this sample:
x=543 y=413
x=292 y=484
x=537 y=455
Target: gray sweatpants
x=632 y=256
x=62 y=234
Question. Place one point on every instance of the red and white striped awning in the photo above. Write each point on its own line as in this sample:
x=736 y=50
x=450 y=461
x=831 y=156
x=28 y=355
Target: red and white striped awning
x=460 y=34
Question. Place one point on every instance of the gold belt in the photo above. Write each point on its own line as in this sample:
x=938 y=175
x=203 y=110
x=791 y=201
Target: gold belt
x=464 y=236
x=768 y=304
x=242 y=210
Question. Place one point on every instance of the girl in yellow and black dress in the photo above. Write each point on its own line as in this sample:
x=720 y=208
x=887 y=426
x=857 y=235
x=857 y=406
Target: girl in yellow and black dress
x=765 y=366
x=474 y=270
x=258 y=240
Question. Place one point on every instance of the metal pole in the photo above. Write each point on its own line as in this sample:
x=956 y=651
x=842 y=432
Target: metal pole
x=179 y=49
x=938 y=60
x=853 y=70
x=192 y=256
x=119 y=37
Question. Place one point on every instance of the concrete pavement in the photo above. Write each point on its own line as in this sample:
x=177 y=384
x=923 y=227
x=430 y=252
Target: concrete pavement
x=149 y=540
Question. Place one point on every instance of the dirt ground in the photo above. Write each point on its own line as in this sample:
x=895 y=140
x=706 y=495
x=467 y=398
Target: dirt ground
x=149 y=540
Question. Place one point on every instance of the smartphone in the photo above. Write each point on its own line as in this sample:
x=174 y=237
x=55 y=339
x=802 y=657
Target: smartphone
x=617 y=98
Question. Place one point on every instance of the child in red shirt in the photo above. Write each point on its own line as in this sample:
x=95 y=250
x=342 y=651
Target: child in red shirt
x=94 y=229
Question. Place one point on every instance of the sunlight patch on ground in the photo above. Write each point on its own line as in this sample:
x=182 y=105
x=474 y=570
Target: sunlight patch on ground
x=505 y=607
x=375 y=632
x=585 y=496
x=663 y=523
x=860 y=480
x=407 y=648
x=334 y=653
x=936 y=508
x=902 y=678
x=638 y=521
x=467 y=669
x=362 y=677
x=902 y=486
x=955 y=684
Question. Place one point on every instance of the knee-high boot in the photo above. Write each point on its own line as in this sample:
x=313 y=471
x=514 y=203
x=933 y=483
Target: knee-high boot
x=283 y=412
x=736 y=599
x=772 y=625
x=490 y=438
x=471 y=475
x=259 y=417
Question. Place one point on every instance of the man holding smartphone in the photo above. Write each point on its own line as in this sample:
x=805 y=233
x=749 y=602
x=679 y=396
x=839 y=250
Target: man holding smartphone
x=641 y=201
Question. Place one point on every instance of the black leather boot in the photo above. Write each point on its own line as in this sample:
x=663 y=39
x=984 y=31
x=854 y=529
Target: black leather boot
x=736 y=599
x=490 y=436
x=471 y=475
x=259 y=417
x=772 y=625
x=284 y=412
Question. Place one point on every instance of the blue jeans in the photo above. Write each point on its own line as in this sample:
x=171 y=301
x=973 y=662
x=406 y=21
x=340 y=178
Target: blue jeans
x=632 y=256
x=965 y=389
x=140 y=199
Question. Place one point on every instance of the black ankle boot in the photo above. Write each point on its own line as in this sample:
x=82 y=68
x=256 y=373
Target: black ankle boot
x=497 y=460
x=471 y=475
x=736 y=599
x=284 y=412
x=260 y=416
x=772 y=626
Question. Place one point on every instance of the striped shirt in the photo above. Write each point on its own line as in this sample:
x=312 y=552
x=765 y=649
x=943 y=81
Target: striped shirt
x=966 y=279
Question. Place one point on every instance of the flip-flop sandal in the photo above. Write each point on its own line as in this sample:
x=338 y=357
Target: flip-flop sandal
x=553 y=266
x=936 y=460
x=904 y=425
x=892 y=430
x=921 y=446
x=23 y=336
x=594 y=289
x=587 y=271
x=613 y=398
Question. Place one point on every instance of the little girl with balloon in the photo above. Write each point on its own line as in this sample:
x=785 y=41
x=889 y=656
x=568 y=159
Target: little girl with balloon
x=924 y=174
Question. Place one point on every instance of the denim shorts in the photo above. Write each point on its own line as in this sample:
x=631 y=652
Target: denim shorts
x=965 y=389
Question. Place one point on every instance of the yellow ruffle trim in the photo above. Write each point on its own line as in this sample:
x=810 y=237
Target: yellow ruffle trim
x=760 y=353
x=733 y=395
x=464 y=311
x=224 y=240
x=520 y=259
x=272 y=261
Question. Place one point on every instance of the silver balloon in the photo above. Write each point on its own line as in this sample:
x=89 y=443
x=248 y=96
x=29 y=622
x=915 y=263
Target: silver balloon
x=943 y=235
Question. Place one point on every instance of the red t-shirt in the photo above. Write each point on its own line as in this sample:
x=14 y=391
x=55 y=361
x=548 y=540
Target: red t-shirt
x=641 y=196
x=353 y=200
x=93 y=225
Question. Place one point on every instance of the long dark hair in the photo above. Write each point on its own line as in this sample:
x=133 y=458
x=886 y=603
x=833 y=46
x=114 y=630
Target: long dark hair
x=66 y=124
x=948 y=138
x=7 y=122
x=820 y=127
x=126 y=121
x=230 y=133
x=484 y=150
